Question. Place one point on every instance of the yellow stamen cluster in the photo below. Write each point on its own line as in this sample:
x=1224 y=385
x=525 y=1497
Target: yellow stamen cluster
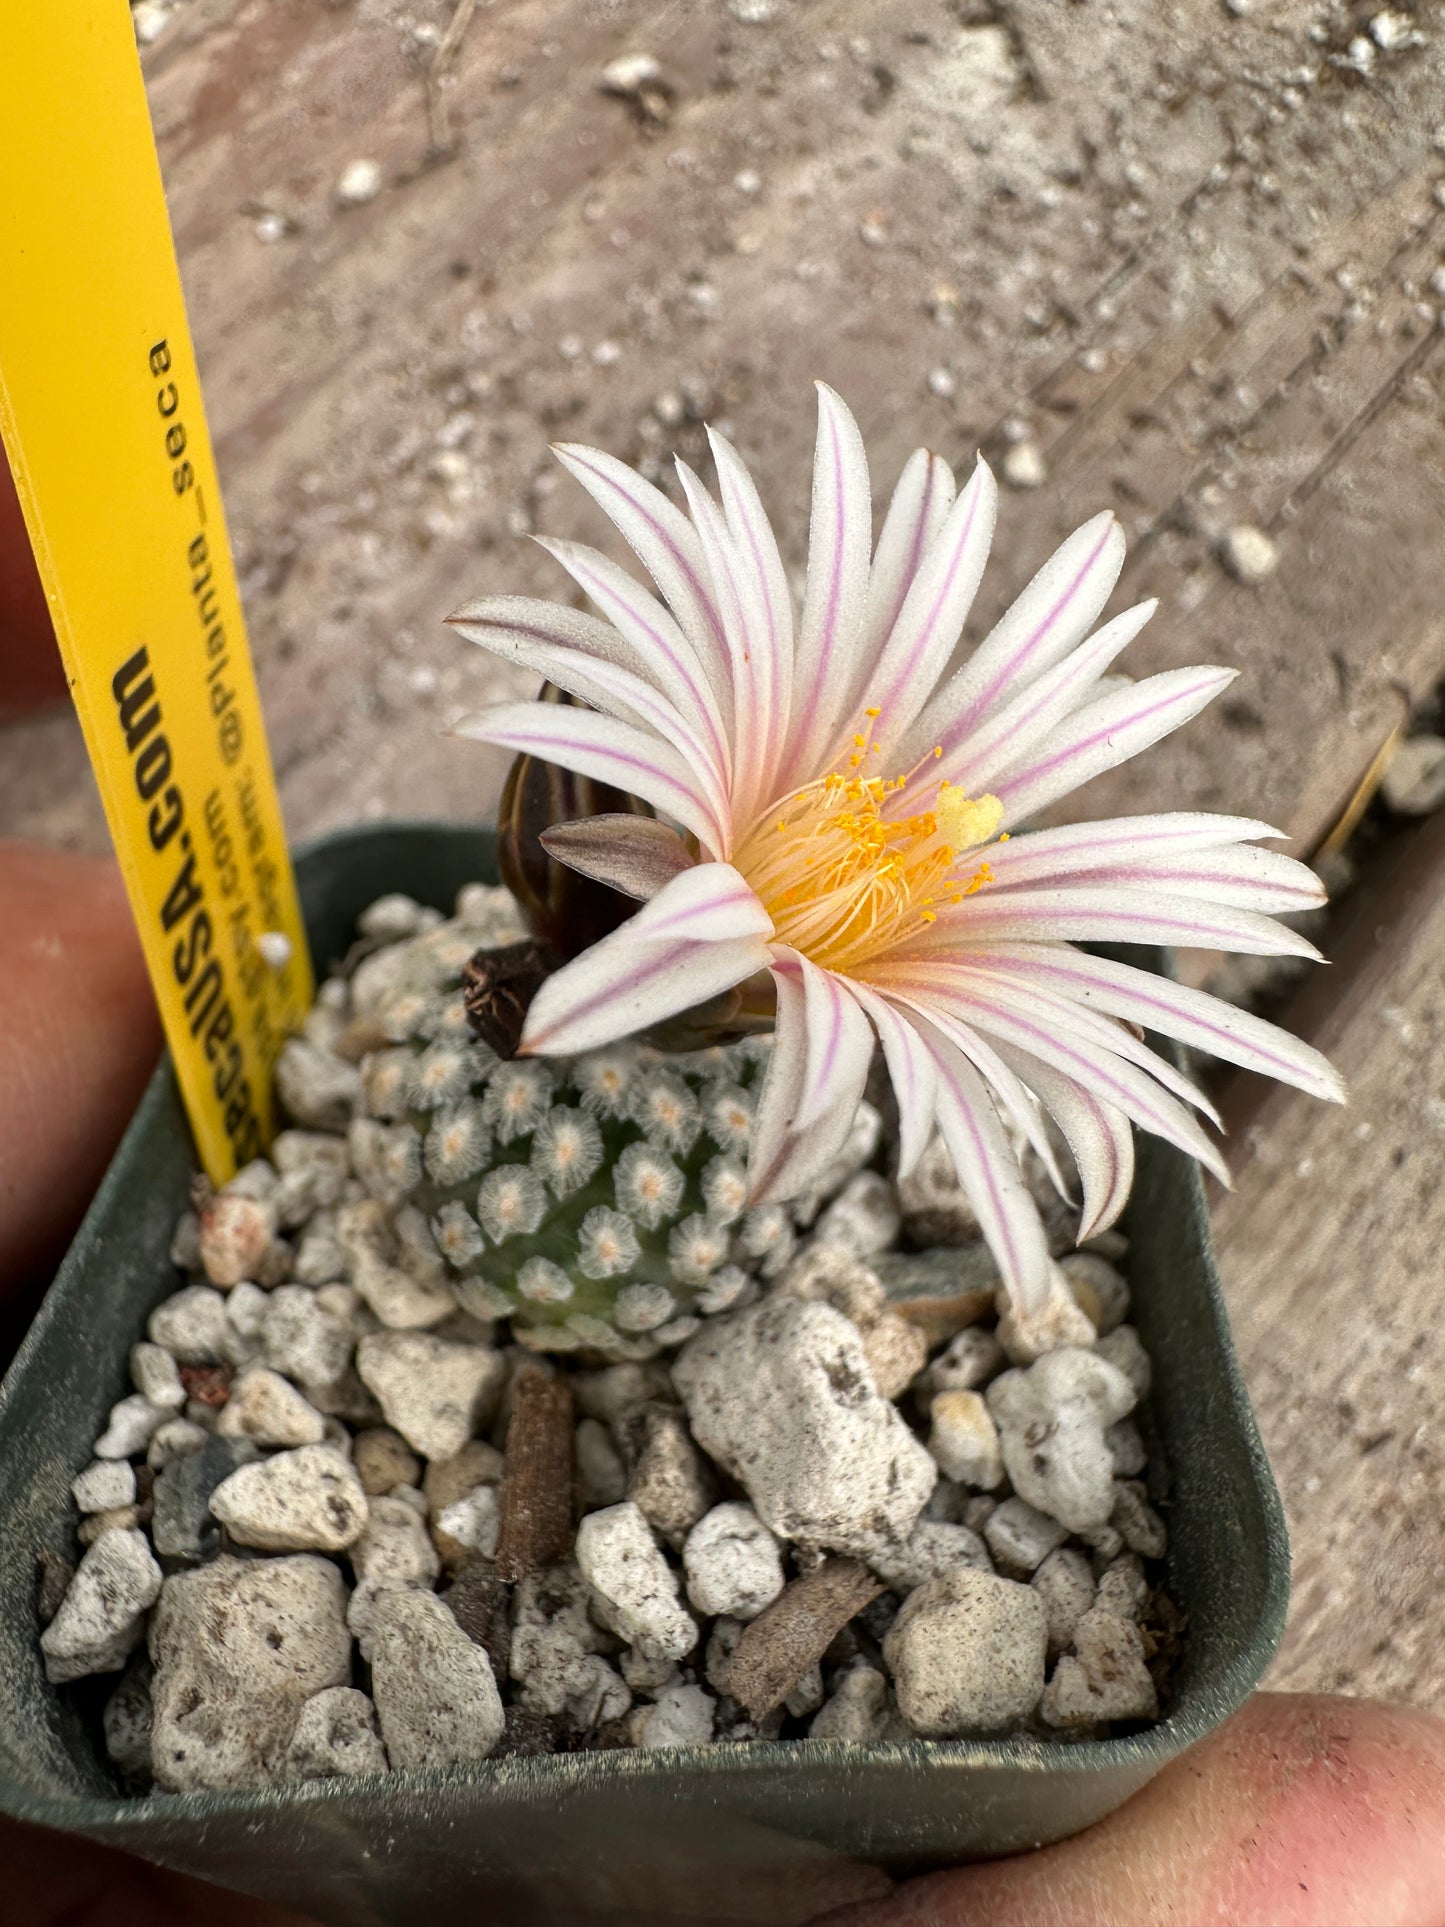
x=843 y=882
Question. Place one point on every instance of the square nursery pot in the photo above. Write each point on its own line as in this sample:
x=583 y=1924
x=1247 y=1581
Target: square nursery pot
x=776 y=1832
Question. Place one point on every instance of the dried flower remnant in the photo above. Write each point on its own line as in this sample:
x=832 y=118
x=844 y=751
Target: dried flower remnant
x=850 y=789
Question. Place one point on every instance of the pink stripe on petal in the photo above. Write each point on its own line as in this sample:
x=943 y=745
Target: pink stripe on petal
x=911 y=1071
x=700 y=935
x=839 y=1044
x=1012 y=730
x=1195 y=1018
x=609 y=752
x=1106 y=733
x=933 y=614
x=1109 y=1077
x=989 y=1173
x=692 y=674
x=826 y=663
x=1057 y=608
x=1109 y=914
x=915 y=516
x=1098 y=1134
x=657 y=532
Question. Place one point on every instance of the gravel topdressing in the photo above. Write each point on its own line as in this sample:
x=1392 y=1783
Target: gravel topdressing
x=345 y=1524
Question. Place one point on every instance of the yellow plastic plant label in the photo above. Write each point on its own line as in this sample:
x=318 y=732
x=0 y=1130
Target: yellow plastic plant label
x=102 y=422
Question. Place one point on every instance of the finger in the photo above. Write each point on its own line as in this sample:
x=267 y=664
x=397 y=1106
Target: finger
x=78 y=1038
x=1301 y=1811
x=30 y=666
x=54 y=1881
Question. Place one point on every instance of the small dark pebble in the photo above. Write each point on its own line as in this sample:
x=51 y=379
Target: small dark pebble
x=209 y=1385
x=182 y=1529
x=54 y=1577
x=1165 y=1628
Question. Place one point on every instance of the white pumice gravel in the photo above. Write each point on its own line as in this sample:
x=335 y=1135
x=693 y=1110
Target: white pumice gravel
x=967 y=1654
x=1052 y=1418
x=435 y=1693
x=634 y=1590
x=434 y=1392
x=304 y=1500
x=733 y=1563
x=315 y=1392
x=336 y=1734
x=102 y=1616
x=238 y=1648
x=782 y=1397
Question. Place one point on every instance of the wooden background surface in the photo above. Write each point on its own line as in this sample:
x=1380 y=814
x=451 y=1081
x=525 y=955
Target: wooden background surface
x=1191 y=256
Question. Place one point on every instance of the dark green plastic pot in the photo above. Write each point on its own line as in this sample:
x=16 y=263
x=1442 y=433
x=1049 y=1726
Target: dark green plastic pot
x=766 y=1833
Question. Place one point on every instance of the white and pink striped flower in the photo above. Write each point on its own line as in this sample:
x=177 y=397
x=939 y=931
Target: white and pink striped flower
x=845 y=787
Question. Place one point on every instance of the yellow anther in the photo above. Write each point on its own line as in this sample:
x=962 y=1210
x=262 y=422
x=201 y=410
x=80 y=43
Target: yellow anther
x=860 y=742
x=875 y=711
x=966 y=823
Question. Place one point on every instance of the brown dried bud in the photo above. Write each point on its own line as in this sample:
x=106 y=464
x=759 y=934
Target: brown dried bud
x=497 y=990
x=566 y=912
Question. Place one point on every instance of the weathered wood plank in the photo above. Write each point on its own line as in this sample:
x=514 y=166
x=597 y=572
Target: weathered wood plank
x=1331 y=1251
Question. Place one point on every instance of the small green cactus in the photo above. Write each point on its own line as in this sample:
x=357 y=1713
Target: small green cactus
x=598 y=1201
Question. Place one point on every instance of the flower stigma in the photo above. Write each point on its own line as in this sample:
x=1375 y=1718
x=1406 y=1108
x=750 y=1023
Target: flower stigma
x=842 y=881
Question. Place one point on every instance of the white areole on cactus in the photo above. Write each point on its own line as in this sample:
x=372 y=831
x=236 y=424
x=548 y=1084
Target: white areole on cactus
x=847 y=789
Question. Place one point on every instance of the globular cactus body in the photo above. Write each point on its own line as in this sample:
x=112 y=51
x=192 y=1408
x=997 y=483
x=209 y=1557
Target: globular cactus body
x=597 y=1201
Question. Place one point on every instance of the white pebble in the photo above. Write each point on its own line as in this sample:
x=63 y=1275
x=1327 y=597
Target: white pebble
x=1248 y=554
x=153 y=1373
x=266 y=1407
x=102 y=1614
x=434 y=1392
x=335 y=1735
x=634 y=1590
x=130 y=1428
x=104 y=1485
x=967 y=1654
x=680 y=1716
x=300 y=1501
x=435 y=1693
x=360 y=182
x=964 y=1440
x=733 y=1563
x=1023 y=466
x=191 y=1325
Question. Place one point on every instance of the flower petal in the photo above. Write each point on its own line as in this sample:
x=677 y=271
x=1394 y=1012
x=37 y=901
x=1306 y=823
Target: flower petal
x=634 y=854
x=515 y=628
x=1055 y=611
x=989 y=1173
x=1238 y=874
x=784 y=1159
x=934 y=611
x=839 y=1041
x=827 y=666
x=751 y=656
x=1106 y=733
x=916 y=514
x=657 y=532
x=608 y=751
x=1010 y=731
x=1107 y=913
x=976 y=994
x=753 y=536
x=1098 y=1134
x=1108 y=1076
x=1195 y=1018
x=911 y=1071
x=1014 y=1101
x=703 y=933
x=691 y=673
x=1067 y=847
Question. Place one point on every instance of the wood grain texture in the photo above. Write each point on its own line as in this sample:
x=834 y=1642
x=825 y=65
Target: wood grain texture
x=1333 y=1257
